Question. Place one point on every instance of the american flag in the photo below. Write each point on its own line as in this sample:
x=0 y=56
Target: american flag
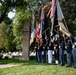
x=38 y=32
x=39 y=27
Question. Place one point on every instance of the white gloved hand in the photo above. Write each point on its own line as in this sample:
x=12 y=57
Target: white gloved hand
x=59 y=46
x=38 y=47
x=54 y=47
x=65 y=47
x=35 y=47
x=46 y=37
x=47 y=47
x=73 y=46
x=50 y=44
x=43 y=47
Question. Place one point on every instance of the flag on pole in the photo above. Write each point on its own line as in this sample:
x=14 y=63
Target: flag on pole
x=55 y=23
x=59 y=11
x=44 y=7
x=32 y=37
x=38 y=32
x=53 y=8
x=52 y=15
x=42 y=23
x=39 y=27
x=57 y=17
x=62 y=27
x=54 y=19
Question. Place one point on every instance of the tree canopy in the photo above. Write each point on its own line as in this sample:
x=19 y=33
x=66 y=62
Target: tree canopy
x=11 y=30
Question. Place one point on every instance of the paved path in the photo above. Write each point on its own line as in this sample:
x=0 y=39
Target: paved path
x=7 y=65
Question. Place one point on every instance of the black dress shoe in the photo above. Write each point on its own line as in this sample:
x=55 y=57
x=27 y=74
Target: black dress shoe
x=68 y=66
x=75 y=67
x=61 y=64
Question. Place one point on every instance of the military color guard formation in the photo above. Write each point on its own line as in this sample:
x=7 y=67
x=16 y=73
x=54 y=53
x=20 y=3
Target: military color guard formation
x=52 y=38
x=54 y=51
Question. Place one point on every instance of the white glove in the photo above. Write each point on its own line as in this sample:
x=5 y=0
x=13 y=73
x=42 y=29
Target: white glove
x=38 y=47
x=73 y=46
x=54 y=47
x=43 y=47
x=46 y=37
x=49 y=44
x=47 y=47
x=59 y=46
x=35 y=47
x=65 y=47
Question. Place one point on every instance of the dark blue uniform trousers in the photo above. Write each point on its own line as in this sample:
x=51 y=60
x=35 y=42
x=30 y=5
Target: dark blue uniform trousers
x=61 y=56
x=39 y=55
x=74 y=56
x=68 y=56
x=36 y=55
x=44 y=55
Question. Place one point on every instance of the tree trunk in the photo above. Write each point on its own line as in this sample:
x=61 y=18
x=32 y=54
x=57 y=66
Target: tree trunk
x=26 y=41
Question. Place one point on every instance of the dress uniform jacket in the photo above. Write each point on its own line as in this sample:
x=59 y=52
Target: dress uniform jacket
x=56 y=50
x=68 y=51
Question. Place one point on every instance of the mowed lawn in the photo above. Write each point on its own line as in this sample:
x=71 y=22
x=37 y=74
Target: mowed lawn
x=32 y=67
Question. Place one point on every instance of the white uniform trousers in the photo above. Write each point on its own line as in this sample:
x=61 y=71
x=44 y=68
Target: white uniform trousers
x=50 y=56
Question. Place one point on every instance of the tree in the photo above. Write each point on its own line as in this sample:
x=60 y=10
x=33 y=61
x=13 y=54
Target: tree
x=7 y=35
x=69 y=10
x=9 y=40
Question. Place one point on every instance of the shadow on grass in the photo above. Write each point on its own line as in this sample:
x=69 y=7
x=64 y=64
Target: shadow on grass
x=29 y=62
x=32 y=61
x=9 y=61
x=17 y=61
x=22 y=62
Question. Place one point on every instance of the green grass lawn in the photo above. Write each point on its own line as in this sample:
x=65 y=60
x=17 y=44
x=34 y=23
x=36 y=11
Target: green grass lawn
x=33 y=68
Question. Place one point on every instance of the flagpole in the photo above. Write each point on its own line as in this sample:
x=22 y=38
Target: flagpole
x=45 y=30
x=62 y=18
x=66 y=24
x=52 y=15
x=68 y=30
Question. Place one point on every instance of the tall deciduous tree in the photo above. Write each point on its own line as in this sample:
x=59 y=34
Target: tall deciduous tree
x=6 y=35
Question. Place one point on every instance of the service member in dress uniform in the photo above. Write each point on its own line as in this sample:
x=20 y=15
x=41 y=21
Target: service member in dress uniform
x=50 y=50
x=56 y=49
x=39 y=53
x=61 y=50
x=68 y=51
x=44 y=52
x=36 y=49
x=74 y=53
